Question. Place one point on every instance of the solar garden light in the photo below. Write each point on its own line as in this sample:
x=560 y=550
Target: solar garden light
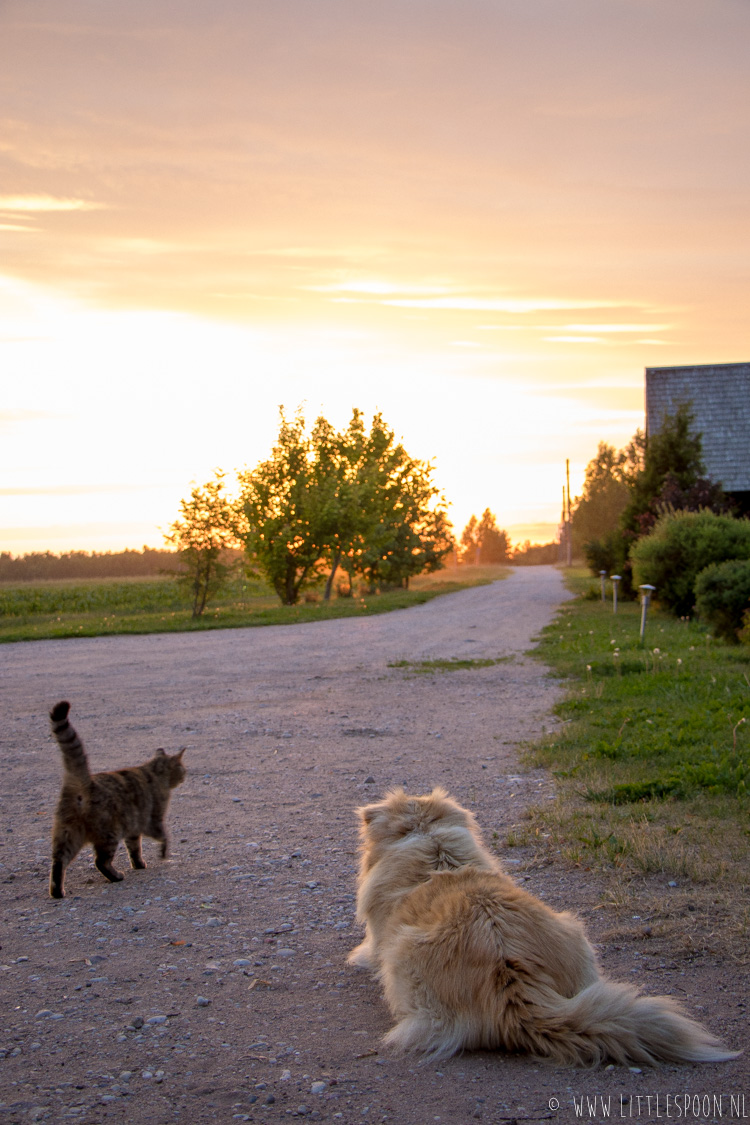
x=602 y=576
x=647 y=591
x=615 y=579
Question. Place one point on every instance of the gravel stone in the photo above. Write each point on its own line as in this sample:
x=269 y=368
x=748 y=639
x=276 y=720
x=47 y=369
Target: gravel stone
x=228 y=695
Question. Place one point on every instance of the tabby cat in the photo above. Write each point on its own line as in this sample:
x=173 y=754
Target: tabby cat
x=104 y=808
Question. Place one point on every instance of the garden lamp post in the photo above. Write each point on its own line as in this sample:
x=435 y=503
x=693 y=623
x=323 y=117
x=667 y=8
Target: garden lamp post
x=603 y=576
x=646 y=592
x=615 y=580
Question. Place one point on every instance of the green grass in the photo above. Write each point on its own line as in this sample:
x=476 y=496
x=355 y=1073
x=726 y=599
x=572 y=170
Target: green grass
x=652 y=754
x=668 y=717
x=45 y=610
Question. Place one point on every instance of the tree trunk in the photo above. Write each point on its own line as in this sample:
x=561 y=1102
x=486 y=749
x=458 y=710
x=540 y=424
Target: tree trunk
x=329 y=583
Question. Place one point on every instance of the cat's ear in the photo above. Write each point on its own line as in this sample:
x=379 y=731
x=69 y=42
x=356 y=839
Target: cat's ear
x=161 y=753
x=179 y=753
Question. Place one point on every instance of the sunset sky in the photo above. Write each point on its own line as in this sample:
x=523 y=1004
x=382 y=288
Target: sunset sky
x=483 y=218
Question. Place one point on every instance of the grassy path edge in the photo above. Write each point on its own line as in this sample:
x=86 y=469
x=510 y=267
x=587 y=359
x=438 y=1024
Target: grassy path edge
x=670 y=711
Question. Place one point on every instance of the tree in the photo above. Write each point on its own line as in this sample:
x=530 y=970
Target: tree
x=207 y=529
x=494 y=544
x=340 y=461
x=284 y=504
x=673 y=456
x=661 y=473
x=401 y=526
x=482 y=541
x=469 y=551
x=349 y=499
x=605 y=496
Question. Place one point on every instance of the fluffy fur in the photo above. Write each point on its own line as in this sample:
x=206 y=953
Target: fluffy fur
x=104 y=808
x=468 y=960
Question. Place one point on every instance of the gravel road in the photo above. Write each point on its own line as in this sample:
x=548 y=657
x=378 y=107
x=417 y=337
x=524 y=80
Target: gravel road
x=213 y=987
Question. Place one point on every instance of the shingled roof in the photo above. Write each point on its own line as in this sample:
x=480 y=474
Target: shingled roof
x=719 y=394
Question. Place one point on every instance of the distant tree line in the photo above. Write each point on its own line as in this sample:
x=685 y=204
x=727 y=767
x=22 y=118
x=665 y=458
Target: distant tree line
x=483 y=543
x=40 y=565
x=535 y=554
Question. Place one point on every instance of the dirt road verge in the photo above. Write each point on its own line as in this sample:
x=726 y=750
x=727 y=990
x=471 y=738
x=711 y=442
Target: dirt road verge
x=214 y=987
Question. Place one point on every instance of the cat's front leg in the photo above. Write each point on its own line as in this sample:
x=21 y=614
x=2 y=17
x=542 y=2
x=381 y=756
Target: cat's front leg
x=133 y=844
x=57 y=879
x=159 y=832
x=103 y=856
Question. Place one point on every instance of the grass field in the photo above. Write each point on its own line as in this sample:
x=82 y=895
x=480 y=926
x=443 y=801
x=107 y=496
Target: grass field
x=44 y=610
x=652 y=757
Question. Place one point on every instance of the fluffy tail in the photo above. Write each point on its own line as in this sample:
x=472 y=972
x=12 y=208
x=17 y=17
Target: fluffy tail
x=71 y=747
x=611 y=1022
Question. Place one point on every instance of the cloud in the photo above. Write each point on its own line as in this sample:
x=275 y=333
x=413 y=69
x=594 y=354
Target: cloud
x=500 y=304
x=74 y=489
x=614 y=327
x=379 y=288
x=36 y=203
x=574 y=339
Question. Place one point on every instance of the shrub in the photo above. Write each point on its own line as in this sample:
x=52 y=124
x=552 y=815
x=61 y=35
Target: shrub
x=722 y=596
x=681 y=545
x=744 y=634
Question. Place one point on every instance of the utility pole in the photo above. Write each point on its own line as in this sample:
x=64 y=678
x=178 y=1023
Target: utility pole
x=563 y=527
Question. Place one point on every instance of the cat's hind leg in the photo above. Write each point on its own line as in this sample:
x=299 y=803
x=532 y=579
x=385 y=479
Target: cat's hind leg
x=104 y=851
x=133 y=844
x=66 y=844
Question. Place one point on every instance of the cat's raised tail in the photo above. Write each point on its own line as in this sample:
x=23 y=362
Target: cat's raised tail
x=74 y=756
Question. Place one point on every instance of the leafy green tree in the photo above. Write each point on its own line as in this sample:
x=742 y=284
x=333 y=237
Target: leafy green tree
x=206 y=530
x=661 y=473
x=482 y=541
x=672 y=456
x=348 y=499
x=403 y=528
x=340 y=470
x=283 y=504
x=606 y=492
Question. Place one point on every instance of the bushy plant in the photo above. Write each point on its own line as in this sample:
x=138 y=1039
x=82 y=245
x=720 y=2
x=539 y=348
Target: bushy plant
x=681 y=545
x=626 y=492
x=722 y=596
x=744 y=634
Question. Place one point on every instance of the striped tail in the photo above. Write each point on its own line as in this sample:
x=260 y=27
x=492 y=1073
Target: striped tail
x=71 y=747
